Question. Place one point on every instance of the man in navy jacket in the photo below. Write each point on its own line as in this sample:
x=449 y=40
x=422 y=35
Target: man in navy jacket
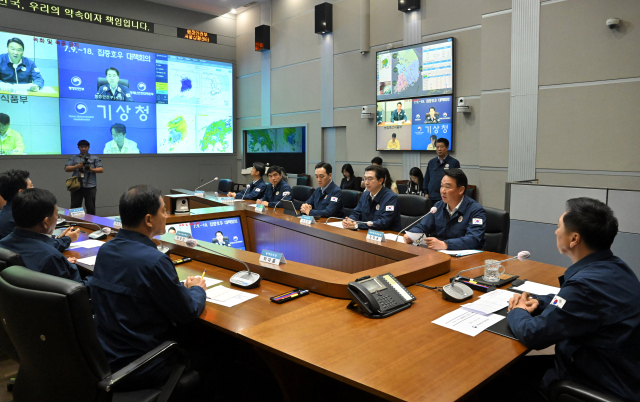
x=277 y=190
x=326 y=201
x=256 y=189
x=436 y=168
x=459 y=222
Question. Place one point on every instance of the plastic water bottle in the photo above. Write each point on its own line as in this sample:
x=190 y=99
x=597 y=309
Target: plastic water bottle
x=215 y=194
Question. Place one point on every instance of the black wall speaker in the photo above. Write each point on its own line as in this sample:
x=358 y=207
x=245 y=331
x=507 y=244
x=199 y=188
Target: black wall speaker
x=408 y=5
x=324 y=18
x=263 y=38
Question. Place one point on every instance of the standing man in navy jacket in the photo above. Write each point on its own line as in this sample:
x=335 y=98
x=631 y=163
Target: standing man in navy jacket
x=459 y=223
x=436 y=168
x=326 y=201
x=277 y=190
x=256 y=189
x=594 y=320
x=378 y=206
x=138 y=300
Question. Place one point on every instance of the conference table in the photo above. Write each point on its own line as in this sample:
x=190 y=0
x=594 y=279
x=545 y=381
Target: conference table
x=404 y=357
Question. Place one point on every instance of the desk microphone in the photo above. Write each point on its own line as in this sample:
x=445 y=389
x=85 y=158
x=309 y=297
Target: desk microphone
x=243 y=279
x=245 y=191
x=206 y=183
x=433 y=210
x=332 y=217
x=99 y=234
x=461 y=292
x=286 y=193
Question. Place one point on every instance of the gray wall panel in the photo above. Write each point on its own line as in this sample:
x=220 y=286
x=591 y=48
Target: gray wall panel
x=496 y=52
x=491 y=187
x=467 y=134
x=493 y=146
x=546 y=203
x=248 y=21
x=292 y=90
x=446 y=15
x=249 y=91
x=491 y=6
x=626 y=247
x=384 y=13
x=582 y=179
x=248 y=59
x=357 y=72
x=294 y=41
x=539 y=239
x=283 y=9
x=346 y=26
x=626 y=206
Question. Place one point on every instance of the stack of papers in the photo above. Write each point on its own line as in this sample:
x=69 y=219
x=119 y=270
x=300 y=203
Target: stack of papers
x=337 y=224
x=537 y=288
x=467 y=322
x=90 y=261
x=86 y=244
x=490 y=302
x=460 y=253
x=227 y=297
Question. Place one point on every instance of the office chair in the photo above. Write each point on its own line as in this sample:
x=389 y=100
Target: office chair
x=411 y=208
x=300 y=194
x=102 y=81
x=50 y=323
x=568 y=391
x=350 y=200
x=403 y=185
x=225 y=185
x=497 y=230
x=7 y=259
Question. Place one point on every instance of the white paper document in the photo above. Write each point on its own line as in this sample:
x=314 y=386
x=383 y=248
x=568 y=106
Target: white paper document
x=210 y=282
x=227 y=297
x=86 y=244
x=337 y=224
x=537 y=288
x=490 y=302
x=460 y=253
x=467 y=322
x=91 y=261
x=393 y=236
x=252 y=205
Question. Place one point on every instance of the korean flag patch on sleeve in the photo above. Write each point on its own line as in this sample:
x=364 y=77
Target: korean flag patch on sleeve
x=258 y=189
x=558 y=302
x=389 y=208
x=476 y=221
x=334 y=199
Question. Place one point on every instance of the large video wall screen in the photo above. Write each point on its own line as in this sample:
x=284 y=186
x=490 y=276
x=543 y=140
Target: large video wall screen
x=55 y=93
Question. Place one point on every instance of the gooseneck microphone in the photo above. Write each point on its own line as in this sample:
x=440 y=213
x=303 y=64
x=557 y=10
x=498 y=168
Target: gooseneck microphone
x=433 y=210
x=243 y=279
x=206 y=183
x=99 y=234
x=286 y=193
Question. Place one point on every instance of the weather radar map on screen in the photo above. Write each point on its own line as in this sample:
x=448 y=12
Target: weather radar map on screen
x=288 y=139
x=122 y=101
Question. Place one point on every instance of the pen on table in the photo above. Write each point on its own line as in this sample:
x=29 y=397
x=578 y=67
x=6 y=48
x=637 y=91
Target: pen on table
x=204 y=272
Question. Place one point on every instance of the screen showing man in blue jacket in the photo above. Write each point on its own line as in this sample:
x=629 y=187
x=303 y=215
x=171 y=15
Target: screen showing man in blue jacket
x=459 y=222
x=17 y=69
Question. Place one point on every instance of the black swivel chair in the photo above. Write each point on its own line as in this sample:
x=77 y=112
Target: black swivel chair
x=568 y=391
x=50 y=323
x=350 y=200
x=102 y=81
x=8 y=259
x=411 y=208
x=300 y=194
x=497 y=230
x=225 y=186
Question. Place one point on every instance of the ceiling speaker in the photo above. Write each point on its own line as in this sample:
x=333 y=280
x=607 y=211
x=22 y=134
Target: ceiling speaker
x=324 y=18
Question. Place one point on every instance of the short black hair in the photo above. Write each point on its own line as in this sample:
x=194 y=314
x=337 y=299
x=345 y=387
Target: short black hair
x=393 y=135
x=171 y=228
x=276 y=169
x=387 y=178
x=83 y=142
x=32 y=206
x=434 y=109
x=137 y=202
x=219 y=231
x=377 y=160
x=348 y=168
x=16 y=40
x=4 y=118
x=120 y=128
x=378 y=170
x=399 y=103
x=260 y=167
x=593 y=220
x=11 y=182
x=444 y=141
x=112 y=68
x=459 y=176
x=417 y=172
x=326 y=166
x=434 y=137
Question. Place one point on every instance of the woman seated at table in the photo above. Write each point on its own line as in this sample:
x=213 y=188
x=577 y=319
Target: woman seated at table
x=388 y=181
x=415 y=183
x=349 y=179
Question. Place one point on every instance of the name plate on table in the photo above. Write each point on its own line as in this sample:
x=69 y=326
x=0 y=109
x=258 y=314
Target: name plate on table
x=307 y=220
x=200 y=193
x=182 y=236
x=260 y=208
x=271 y=257
x=375 y=235
x=224 y=199
x=117 y=223
x=77 y=212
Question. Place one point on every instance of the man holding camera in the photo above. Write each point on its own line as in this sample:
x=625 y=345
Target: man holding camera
x=85 y=166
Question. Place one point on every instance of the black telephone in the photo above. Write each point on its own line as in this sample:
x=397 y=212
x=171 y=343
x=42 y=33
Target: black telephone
x=380 y=296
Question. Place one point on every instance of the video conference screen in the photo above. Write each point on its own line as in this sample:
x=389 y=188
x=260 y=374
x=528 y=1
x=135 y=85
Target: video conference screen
x=225 y=232
x=414 y=124
x=54 y=93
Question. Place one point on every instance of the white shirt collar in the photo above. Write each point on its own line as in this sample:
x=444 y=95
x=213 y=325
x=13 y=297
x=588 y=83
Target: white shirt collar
x=456 y=208
x=324 y=189
x=374 y=195
x=442 y=159
x=15 y=65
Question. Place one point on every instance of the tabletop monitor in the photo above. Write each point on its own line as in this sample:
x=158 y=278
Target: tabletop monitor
x=223 y=231
x=120 y=100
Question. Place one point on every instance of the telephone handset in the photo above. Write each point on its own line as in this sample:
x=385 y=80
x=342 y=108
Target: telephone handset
x=380 y=296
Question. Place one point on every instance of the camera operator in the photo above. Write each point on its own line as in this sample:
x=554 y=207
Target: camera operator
x=85 y=166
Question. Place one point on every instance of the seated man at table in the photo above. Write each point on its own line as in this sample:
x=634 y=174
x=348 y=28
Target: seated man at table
x=12 y=183
x=594 y=320
x=35 y=213
x=277 y=190
x=378 y=206
x=326 y=201
x=137 y=297
x=459 y=222
x=254 y=190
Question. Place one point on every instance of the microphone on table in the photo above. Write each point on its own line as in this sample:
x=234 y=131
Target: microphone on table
x=286 y=193
x=99 y=234
x=433 y=210
x=245 y=191
x=462 y=292
x=243 y=279
x=206 y=183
